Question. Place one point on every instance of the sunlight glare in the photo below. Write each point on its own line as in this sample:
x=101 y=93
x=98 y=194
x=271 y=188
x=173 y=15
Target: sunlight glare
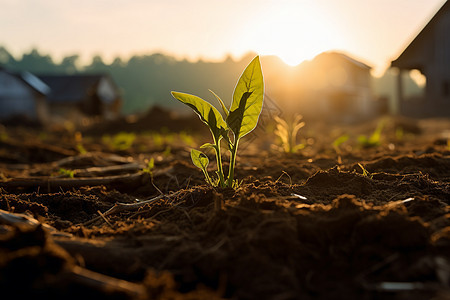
x=418 y=77
x=294 y=31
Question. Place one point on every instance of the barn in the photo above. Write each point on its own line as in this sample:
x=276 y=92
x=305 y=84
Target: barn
x=342 y=86
x=74 y=97
x=58 y=98
x=429 y=52
x=337 y=87
x=22 y=95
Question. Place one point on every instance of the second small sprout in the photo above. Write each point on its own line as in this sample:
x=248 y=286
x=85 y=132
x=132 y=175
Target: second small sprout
x=287 y=132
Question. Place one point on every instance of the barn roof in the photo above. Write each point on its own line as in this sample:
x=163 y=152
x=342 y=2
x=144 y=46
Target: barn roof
x=412 y=56
x=35 y=83
x=30 y=80
x=334 y=55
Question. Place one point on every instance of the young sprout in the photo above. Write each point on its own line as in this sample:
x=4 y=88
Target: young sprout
x=150 y=167
x=120 y=141
x=287 y=132
x=149 y=170
x=79 y=143
x=365 y=172
x=66 y=172
x=374 y=140
x=240 y=119
x=339 y=141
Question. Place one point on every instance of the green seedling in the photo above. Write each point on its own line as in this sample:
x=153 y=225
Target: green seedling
x=149 y=170
x=66 y=173
x=287 y=132
x=373 y=140
x=150 y=167
x=339 y=141
x=79 y=143
x=240 y=119
x=120 y=141
x=365 y=172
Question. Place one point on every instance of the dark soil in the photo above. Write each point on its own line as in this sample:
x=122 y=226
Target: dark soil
x=309 y=225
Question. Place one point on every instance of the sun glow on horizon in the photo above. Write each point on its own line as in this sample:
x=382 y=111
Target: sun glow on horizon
x=294 y=31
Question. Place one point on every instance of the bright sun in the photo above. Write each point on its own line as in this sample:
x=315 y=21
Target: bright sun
x=294 y=33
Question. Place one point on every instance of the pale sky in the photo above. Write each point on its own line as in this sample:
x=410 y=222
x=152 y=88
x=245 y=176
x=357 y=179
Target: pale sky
x=373 y=31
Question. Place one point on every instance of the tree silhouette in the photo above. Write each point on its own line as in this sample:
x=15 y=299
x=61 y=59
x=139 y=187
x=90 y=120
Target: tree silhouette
x=6 y=59
x=36 y=63
x=69 y=64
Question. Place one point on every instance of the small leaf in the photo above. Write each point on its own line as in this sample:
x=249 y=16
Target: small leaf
x=298 y=147
x=225 y=110
x=207 y=113
x=297 y=128
x=281 y=122
x=207 y=145
x=199 y=159
x=340 y=140
x=282 y=133
x=247 y=100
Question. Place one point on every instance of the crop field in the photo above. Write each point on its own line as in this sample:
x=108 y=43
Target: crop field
x=120 y=213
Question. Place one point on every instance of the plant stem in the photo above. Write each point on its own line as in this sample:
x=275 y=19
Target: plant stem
x=219 y=162
x=208 y=179
x=233 y=151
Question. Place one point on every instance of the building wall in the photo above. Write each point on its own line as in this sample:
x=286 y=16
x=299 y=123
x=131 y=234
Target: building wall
x=442 y=59
x=16 y=97
x=351 y=99
x=431 y=51
x=106 y=91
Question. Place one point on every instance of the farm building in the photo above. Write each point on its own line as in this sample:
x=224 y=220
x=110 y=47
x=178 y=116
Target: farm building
x=73 y=97
x=22 y=94
x=429 y=52
x=337 y=87
x=57 y=98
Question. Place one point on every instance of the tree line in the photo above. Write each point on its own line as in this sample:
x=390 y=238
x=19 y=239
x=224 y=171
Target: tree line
x=146 y=80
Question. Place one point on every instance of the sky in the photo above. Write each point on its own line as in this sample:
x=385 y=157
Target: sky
x=373 y=31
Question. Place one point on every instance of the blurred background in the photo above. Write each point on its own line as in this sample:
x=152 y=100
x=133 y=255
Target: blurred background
x=338 y=60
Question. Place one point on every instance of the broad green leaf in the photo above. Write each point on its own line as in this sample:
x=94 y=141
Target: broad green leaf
x=199 y=159
x=207 y=113
x=247 y=100
x=225 y=110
